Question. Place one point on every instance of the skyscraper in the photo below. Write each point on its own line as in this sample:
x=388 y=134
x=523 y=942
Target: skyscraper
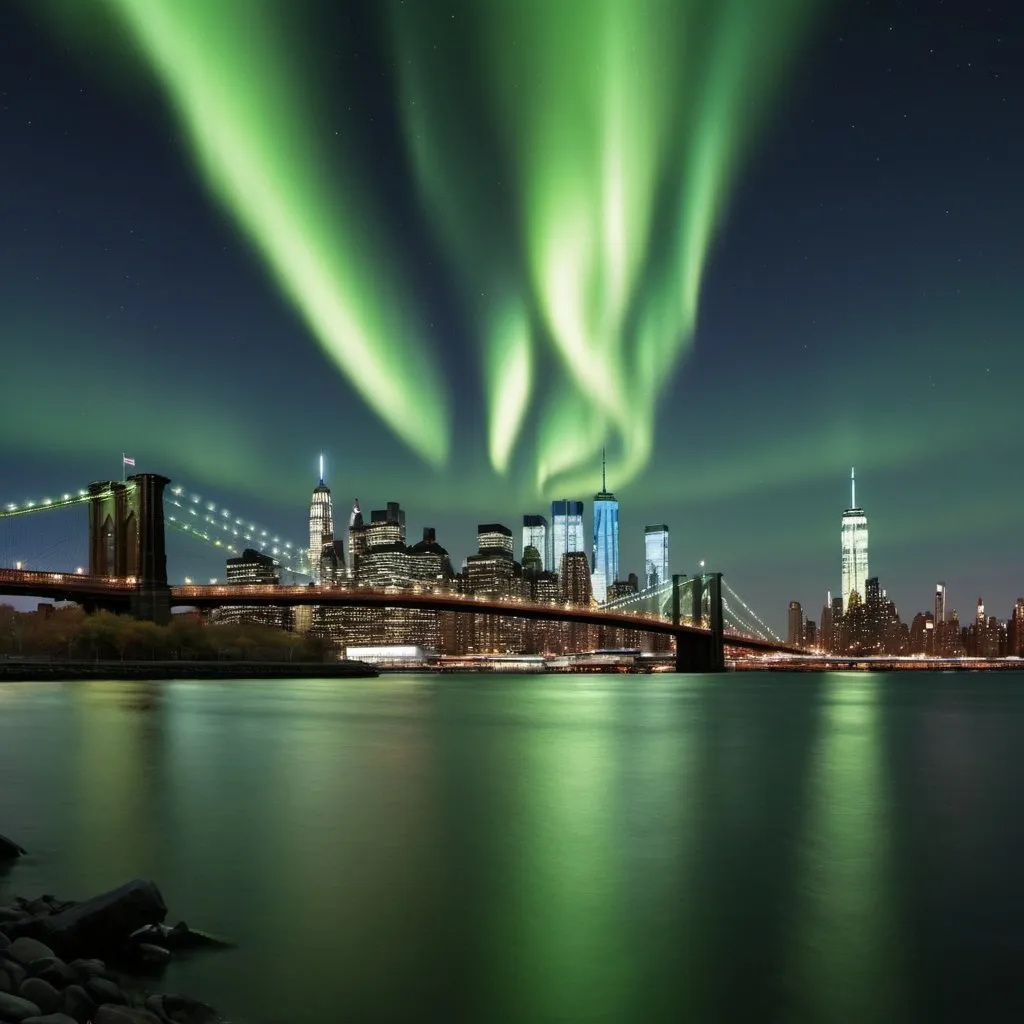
x=656 y=555
x=795 y=632
x=605 y=561
x=535 y=534
x=566 y=531
x=855 y=548
x=321 y=525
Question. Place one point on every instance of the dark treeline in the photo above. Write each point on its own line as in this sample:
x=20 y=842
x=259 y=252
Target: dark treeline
x=70 y=634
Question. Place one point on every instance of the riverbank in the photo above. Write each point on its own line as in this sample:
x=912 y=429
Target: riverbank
x=41 y=671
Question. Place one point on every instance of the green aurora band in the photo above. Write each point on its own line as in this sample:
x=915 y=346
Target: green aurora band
x=575 y=160
x=621 y=125
x=226 y=71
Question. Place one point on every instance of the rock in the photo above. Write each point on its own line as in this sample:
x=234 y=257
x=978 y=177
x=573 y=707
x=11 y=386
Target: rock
x=182 y=1010
x=25 y=950
x=78 y=1004
x=149 y=955
x=14 y=1008
x=4 y=941
x=14 y=970
x=12 y=915
x=103 y=990
x=86 y=969
x=53 y=970
x=50 y=1018
x=125 y=1015
x=9 y=849
x=102 y=923
x=40 y=992
x=6 y=985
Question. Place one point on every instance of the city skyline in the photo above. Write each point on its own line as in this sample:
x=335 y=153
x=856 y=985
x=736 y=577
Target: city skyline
x=859 y=243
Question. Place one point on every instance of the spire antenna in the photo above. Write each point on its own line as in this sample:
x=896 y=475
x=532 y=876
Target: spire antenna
x=321 y=467
x=604 y=486
x=853 y=488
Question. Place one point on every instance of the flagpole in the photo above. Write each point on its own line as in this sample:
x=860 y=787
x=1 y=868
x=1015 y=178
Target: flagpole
x=123 y=457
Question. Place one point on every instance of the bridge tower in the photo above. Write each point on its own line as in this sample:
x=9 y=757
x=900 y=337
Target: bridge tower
x=697 y=652
x=126 y=538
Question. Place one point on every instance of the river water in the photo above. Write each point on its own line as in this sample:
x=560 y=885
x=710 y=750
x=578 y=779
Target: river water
x=747 y=847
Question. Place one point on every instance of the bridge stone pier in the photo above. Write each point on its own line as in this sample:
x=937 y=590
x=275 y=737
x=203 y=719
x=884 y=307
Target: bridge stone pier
x=126 y=539
x=699 y=652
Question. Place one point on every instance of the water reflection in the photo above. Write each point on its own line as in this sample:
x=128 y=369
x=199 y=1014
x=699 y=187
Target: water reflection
x=846 y=946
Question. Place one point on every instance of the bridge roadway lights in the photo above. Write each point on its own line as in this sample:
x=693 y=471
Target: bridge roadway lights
x=697 y=652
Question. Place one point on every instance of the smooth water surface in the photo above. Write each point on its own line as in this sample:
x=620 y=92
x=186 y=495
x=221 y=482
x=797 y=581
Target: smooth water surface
x=843 y=847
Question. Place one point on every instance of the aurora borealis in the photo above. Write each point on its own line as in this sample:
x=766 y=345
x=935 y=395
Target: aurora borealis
x=461 y=247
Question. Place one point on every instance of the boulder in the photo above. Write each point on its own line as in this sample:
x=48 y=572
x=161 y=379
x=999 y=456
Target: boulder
x=25 y=950
x=103 y=990
x=9 y=849
x=6 y=985
x=14 y=1008
x=15 y=971
x=40 y=992
x=103 y=923
x=182 y=1010
x=124 y=1015
x=78 y=1004
x=180 y=937
x=86 y=969
x=50 y=1018
x=12 y=915
x=53 y=970
x=4 y=941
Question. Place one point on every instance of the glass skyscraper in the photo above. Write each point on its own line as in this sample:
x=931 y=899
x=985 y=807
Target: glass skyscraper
x=855 y=548
x=321 y=525
x=566 y=531
x=605 y=561
x=656 y=555
x=535 y=534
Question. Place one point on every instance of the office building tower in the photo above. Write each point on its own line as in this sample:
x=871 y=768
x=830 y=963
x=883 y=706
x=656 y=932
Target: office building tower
x=605 y=559
x=855 y=548
x=386 y=526
x=253 y=568
x=321 y=525
x=493 y=572
x=356 y=536
x=795 y=632
x=494 y=537
x=533 y=563
x=825 y=633
x=1016 y=632
x=535 y=534
x=566 y=531
x=656 y=555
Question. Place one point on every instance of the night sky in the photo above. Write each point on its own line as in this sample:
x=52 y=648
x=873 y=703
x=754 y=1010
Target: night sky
x=459 y=247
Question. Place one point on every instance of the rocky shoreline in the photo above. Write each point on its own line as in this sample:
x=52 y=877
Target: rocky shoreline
x=66 y=962
x=42 y=671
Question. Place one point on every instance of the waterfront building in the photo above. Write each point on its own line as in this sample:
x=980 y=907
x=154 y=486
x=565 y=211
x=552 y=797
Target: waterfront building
x=254 y=568
x=605 y=560
x=493 y=572
x=656 y=555
x=535 y=534
x=825 y=633
x=566 y=531
x=854 y=548
x=795 y=622
x=321 y=525
x=1016 y=631
x=356 y=536
x=386 y=526
x=575 y=588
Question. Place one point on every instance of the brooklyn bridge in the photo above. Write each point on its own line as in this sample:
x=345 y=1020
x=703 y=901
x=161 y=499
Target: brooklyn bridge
x=127 y=574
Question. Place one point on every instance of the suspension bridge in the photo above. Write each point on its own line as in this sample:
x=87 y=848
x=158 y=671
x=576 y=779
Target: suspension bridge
x=125 y=570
